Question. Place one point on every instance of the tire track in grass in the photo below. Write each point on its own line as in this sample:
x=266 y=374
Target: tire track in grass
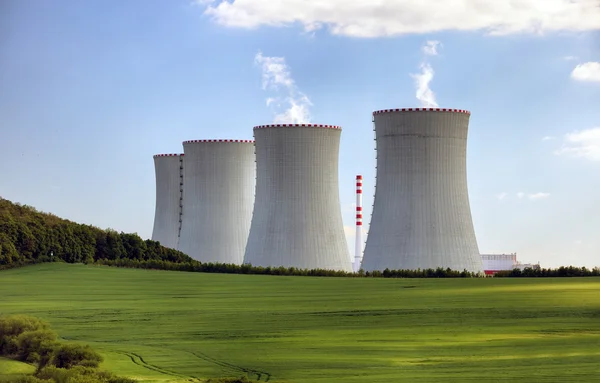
x=232 y=367
x=139 y=360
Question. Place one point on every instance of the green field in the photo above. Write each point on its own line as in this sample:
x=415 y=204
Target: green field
x=175 y=326
x=10 y=369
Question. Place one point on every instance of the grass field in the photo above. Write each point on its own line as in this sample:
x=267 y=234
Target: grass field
x=173 y=326
x=10 y=369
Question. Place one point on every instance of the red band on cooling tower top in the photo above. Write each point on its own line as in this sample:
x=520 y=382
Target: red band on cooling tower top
x=297 y=126
x=195 y=141
x=168 y=155
x=421 y=110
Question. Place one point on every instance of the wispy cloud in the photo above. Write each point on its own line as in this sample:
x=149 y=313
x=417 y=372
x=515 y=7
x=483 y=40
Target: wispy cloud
x=424 y=94
x=589 y=71
x=538 y=196
x=533 y=196
x=431 y=47
x=570 y=58
x=548 y=138
x=501 y=196
x=277 y=77
x=367 y=18
x=582 y=144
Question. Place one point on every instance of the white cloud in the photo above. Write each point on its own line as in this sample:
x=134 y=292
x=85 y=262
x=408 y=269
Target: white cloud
x=533 y=196
x=589 y=71
x=431 y=47
x=582 y=144
x=367 y=18
x=424 y=94
x=548 y=138
x=276 y=76
x=570 y=58
x=501 y=196
x=538 y=196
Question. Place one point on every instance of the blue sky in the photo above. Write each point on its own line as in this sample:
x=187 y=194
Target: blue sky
x=89 y=91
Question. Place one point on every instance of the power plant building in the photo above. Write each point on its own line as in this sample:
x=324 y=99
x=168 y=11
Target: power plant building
x=297 y=219
x=218 y=197
x=169 y=188
x=421 y=215
x=492 y=263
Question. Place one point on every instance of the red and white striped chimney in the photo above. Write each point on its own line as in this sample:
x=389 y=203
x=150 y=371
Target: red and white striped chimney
x=358 y=236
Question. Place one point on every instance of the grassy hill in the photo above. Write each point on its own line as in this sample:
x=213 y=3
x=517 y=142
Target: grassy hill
x=10 y=369
x=170 y=326
x=28 y=236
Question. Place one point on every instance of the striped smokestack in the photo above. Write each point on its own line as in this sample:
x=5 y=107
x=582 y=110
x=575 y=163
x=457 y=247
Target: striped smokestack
x=358 y=236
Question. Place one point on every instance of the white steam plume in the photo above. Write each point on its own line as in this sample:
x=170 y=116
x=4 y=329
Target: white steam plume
x=424 y=94
x=276 y=76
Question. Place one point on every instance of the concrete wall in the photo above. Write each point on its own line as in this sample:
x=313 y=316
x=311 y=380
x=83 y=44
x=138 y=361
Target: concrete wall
x=218 y=196
x=167 y=214
x=421 y=215
x=297 y=220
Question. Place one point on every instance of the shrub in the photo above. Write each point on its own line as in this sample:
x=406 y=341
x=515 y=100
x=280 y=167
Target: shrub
x=71 y=355
x=11 y=327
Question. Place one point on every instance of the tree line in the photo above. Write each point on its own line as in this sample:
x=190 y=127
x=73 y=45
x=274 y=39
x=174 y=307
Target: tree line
x=28 y=236
x=225 y=268
x=563 y=271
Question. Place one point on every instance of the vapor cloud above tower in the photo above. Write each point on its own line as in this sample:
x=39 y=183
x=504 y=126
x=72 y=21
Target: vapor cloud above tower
x=424 y=94
x=290 y=104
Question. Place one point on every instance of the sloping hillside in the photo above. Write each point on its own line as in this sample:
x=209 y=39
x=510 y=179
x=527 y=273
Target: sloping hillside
x=28 y=236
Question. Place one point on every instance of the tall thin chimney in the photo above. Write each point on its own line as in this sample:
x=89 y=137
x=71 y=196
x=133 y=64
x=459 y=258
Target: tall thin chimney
x=358 y=236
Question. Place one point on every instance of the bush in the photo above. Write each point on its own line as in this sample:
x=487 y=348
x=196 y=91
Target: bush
x=71 y=355
x=36 y=346
x=11 y=327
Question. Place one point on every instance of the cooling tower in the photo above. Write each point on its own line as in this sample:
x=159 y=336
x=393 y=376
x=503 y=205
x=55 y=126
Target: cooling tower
x=218 y=196
x=169 y=184
x=297 y=220
x=421 y=215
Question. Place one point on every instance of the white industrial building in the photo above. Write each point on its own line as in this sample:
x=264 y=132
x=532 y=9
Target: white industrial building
x=421 y=215
x=218 y=196
x=297 y=220
x=169 y=188
x=492 y=263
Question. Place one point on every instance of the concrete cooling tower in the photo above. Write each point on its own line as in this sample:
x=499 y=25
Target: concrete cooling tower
x=297 y=220
x=421 y=215
x=169 y=187
x=218 y=196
